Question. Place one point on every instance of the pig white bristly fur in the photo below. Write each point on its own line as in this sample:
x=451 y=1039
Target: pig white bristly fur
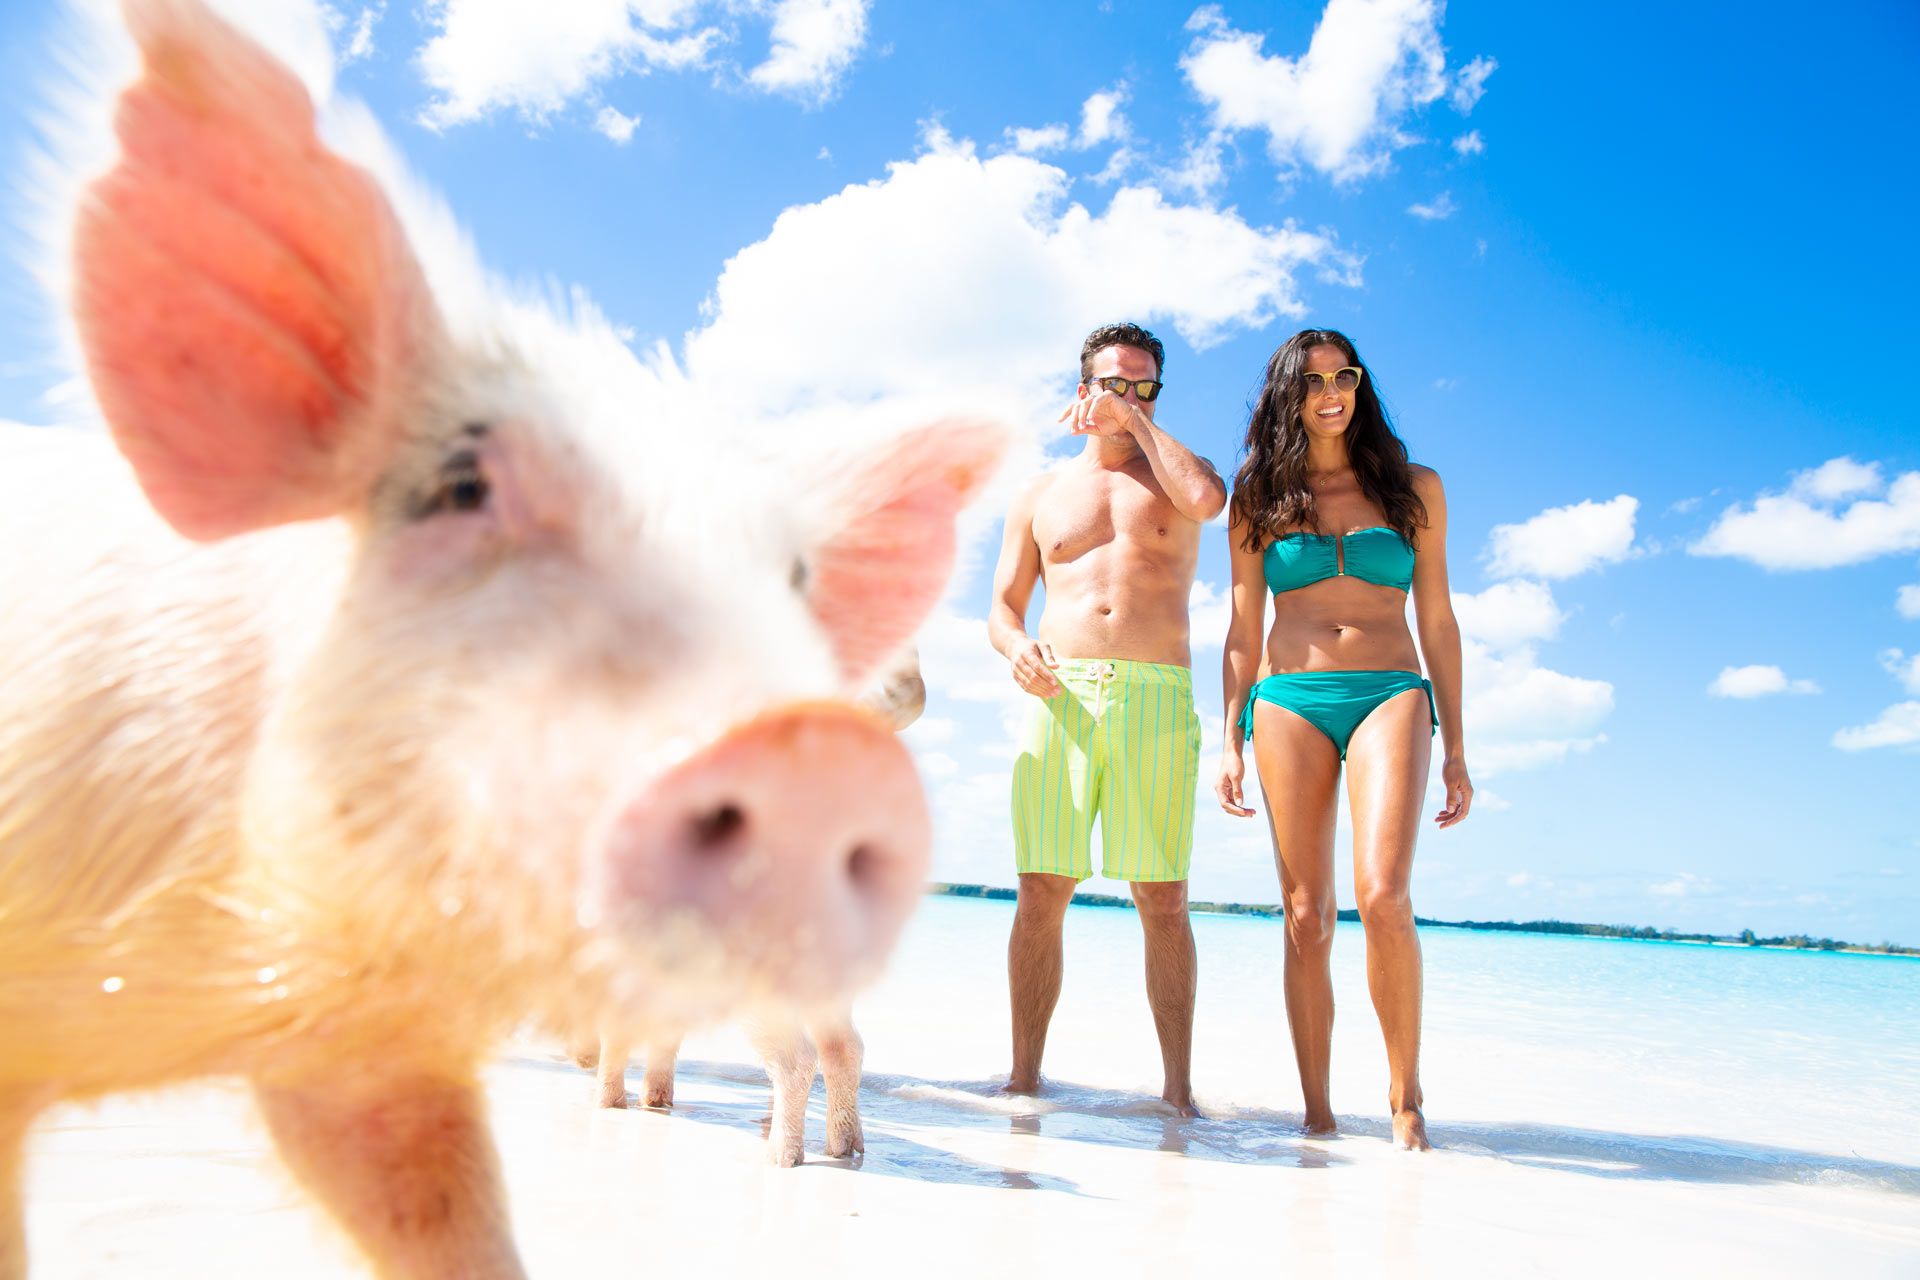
x=327 y=802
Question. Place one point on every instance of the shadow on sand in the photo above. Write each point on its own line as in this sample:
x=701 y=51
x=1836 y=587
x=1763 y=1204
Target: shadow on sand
x=891 y=1105
x=889 y=1151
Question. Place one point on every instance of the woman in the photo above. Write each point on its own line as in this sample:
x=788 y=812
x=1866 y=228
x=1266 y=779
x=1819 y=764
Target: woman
x=1329 y=516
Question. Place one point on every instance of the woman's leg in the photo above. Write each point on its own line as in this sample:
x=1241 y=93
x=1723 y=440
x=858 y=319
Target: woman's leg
x=1386 y=783
x=1299 y=771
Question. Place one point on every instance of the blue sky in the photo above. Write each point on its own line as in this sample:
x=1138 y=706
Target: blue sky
x=1621 y=275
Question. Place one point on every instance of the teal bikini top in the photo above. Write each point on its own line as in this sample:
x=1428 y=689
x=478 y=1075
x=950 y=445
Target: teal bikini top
x=1378 y=555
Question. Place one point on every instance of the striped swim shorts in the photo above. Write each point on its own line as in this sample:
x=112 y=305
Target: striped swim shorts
x=1121 y=741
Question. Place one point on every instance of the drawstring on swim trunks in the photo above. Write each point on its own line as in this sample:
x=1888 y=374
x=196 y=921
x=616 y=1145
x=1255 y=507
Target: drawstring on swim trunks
x=1104 y=674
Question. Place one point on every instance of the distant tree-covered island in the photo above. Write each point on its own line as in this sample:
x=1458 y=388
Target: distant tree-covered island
x=1746 y=937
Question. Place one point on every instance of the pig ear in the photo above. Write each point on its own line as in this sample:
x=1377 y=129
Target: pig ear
x=247 y=304
x=887 y=561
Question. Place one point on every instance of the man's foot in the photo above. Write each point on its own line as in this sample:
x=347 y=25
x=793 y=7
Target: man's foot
x=1320 y=1124
x=1410 y=1130
x=1182 y=1103
x=1021 y=1086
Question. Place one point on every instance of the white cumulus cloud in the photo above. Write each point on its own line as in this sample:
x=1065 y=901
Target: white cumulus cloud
x=536 y=59
x=931 y=731
x=1470 y=144
x=814 y=42
x=844 y=302
x=1470 y=84
x=1897 y=726
x=958 y=662
x=1521 y=715
x=1101 y=119
x=1564 y=541
x=1341 y=106
x=1838 y=478
x=1681 y=885
x=1101 y=122
x=1438 y=209
x=615 y=125
x=1907 y=601
x=1509 y=614
x=1904 y=667
x=1203 y=167
x=1209 y=608
x=1812 y=526
x=937 y=764
x=1757 y=681
x=1038 y=142
x=357 y=43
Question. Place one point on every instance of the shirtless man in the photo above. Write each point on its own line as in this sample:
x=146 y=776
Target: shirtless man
x=1113 y=535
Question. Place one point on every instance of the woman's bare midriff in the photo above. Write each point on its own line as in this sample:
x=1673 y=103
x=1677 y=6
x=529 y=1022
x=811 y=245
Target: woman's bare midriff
x=1340 y=624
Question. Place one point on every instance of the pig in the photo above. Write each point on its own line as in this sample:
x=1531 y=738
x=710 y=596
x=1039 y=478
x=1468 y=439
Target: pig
x=791 y=1044
x=386 y=675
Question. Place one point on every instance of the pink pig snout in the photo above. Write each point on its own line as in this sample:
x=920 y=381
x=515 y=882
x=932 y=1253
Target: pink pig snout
x=798 y=843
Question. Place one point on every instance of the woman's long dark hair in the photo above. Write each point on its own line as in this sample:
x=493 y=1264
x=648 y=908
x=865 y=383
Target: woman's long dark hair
x=1270 y=492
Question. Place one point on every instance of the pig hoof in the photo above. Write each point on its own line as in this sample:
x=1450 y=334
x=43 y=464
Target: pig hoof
x=786 y=1155
x=843 y=1142
x=658 y=1097
x=614 y=1099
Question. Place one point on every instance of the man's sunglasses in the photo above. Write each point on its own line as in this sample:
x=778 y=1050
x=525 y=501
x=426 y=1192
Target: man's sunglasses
x=1343 y=380
x=1146 y=388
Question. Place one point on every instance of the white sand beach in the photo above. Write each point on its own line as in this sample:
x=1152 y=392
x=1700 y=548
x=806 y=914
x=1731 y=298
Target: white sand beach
x=1598 y=1105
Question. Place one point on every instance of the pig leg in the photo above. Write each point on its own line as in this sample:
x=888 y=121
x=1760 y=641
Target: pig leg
x=406 y=1166
x=584 y=1049
x=613 y=1071
x=656 y=1086
x=840 y=1053
x=18 y=1107
x=790 y=1061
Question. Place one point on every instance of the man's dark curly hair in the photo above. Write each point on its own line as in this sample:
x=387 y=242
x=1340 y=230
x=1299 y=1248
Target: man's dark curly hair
x=1121 y=335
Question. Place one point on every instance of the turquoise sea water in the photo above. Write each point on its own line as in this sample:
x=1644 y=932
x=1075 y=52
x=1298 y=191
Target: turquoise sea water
x=1805 y=1062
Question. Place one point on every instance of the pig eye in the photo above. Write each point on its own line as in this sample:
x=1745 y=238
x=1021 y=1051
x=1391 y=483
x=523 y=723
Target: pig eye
x=461 y=486
x=798 y=578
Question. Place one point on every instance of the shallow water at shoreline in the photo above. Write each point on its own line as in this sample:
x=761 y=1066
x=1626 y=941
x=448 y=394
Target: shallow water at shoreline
x=1597 y=1105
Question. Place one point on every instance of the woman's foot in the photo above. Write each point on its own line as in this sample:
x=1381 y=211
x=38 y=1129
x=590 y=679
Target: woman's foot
x=1410 y=1130
x=1320 y=1124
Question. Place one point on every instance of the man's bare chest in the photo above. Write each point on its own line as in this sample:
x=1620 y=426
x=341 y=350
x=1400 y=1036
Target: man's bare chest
x=1084 y=514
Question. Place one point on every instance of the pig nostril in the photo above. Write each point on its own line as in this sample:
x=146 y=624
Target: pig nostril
x=718 y=827
x=863 y=866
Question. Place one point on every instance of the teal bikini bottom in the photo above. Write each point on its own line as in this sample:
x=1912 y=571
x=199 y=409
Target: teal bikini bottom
x=1334 y=702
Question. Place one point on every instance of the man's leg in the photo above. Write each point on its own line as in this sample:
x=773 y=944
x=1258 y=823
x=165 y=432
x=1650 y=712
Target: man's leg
x=1147 y=840
x=1052 y=828
x=1172 y=974
x=1033 y=971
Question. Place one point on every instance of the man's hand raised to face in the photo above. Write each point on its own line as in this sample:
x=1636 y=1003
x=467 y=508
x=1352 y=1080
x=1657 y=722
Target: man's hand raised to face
x=1101 y=414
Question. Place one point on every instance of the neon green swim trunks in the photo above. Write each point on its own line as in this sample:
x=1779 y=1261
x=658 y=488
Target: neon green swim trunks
x=1122 y=741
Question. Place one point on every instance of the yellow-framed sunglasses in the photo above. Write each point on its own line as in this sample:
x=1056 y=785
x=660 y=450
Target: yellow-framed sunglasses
x=1343 y=380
